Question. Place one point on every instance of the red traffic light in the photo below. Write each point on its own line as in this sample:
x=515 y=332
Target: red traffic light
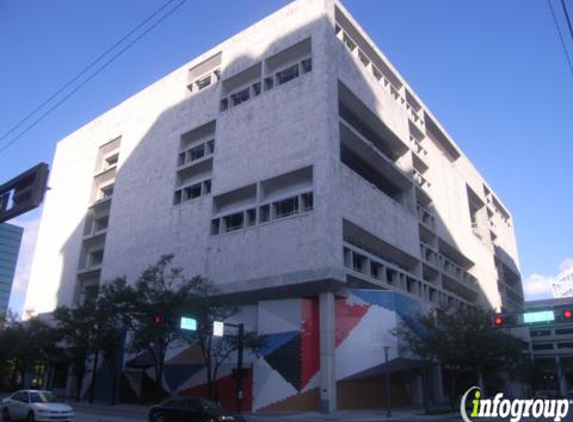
x=568 y=314
x=498 y=321
x=158 y=319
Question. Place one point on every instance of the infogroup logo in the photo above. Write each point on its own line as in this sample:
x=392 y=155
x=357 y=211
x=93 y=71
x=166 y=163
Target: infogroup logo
x=515 y=409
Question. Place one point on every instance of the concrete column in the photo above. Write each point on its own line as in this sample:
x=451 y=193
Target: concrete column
x=437 y=383
x=563 y=388
x=327 y=353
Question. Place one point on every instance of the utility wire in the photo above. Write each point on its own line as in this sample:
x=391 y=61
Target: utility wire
x=90 y=77
x=567 y=16
x=560 y=37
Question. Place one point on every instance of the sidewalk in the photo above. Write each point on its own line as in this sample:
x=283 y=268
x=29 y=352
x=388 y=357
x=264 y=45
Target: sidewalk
x=139 y=412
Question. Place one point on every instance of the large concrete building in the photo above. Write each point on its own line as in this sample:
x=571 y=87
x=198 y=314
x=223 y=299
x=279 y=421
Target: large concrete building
x=552 y=346
x=10 y=239
x=294 y=166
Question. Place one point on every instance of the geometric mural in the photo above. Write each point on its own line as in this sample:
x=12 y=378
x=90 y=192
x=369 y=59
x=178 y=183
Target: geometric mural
x=287 y=373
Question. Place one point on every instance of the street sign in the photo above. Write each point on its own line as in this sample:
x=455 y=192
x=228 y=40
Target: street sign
x=24 y=192
x=188 y=323
x=218 y=328
x=538 y=316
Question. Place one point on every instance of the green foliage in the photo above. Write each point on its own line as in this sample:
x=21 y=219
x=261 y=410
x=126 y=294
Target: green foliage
x=22 y=346
x=463 y=340
x=76 y=326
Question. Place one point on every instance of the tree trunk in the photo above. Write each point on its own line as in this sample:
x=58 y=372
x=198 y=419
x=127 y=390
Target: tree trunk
x=94 y=373
x=425 y=392
x=481 y=384
x=453 y=389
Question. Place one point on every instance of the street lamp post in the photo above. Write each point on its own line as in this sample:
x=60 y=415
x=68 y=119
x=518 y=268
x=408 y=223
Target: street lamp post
x=388 y=412
x=239 y=375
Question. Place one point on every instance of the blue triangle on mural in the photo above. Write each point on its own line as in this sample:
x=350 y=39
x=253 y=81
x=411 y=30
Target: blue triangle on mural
x=175 y=375
x=274 y=341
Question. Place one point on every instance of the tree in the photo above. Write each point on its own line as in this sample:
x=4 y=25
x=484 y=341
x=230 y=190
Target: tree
x=215 y=350
x=112 y=321
x=464 y=340
x=76 y=326
x=25 y=346
x=159 y=290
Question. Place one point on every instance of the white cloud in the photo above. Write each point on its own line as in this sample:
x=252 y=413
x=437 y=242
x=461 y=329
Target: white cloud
x=24 y=265
x=538 y=286
x=566 y=264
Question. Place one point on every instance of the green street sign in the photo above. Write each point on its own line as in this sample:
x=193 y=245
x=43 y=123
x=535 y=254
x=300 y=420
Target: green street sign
x=188 y=323
x=539 y=316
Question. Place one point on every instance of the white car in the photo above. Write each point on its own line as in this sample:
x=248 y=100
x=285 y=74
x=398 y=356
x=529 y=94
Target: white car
x=35 y=406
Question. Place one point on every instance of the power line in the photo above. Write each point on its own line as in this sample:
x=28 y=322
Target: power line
x=567 y=17
x=560 y=36
x=90 y=77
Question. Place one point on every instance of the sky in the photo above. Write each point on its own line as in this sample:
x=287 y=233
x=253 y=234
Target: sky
x=492 y=71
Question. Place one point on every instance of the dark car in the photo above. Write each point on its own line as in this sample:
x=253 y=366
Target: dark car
x=191 y=409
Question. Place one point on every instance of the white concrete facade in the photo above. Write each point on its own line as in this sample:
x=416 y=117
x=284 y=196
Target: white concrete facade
x=337 y=178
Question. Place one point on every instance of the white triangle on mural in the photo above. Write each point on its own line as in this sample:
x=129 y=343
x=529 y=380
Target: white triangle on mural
x=269 y=386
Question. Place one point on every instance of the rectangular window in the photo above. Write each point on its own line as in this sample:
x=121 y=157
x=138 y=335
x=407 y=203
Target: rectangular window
x=307 y=202
x=240 y=97
x=256 y=89
x=358 y=262
x=268 y=83
x=177 y=197
x=206 y=187
x=251 y=217
x=286 y=207
x=233 y=222
x=306 y=65
x=181 y=159
x=106 y=192
x=197 y=152
x=211 y=146
x=287 y=75
x=193 y=192
x=203 y=82
x=111 y=161
x=224 y=104
x=264 y=214
x=542 y=346
x=215 y=226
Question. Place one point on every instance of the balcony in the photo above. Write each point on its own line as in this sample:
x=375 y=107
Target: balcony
x=421 y=181
x=426 y=217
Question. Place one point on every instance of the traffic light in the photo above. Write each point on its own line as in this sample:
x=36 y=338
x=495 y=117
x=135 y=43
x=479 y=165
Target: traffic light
x=158 y=320
x=568 y=315
x=498 y=320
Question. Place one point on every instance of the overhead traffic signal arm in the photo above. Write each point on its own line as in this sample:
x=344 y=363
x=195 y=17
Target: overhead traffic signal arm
x=24 y=192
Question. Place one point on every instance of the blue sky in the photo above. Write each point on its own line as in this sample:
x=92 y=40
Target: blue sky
x=492 y=71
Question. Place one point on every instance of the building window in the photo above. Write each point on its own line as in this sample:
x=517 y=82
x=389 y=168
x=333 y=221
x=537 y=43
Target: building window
x=215 y=225
x=203 y=82
x=233 y=222
x=287 y=75
x=269 y=83
x=106 y=192
x=307 y=201
x=252 y=217
x=286 y=207
x=224 y=104
x=306 y=65
x=542 y=346
x=240 y=97
x=193 y=192
x=177 y=197
x=264 y=214
x=256 y=89
x=358 y=262
x=197 y=152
